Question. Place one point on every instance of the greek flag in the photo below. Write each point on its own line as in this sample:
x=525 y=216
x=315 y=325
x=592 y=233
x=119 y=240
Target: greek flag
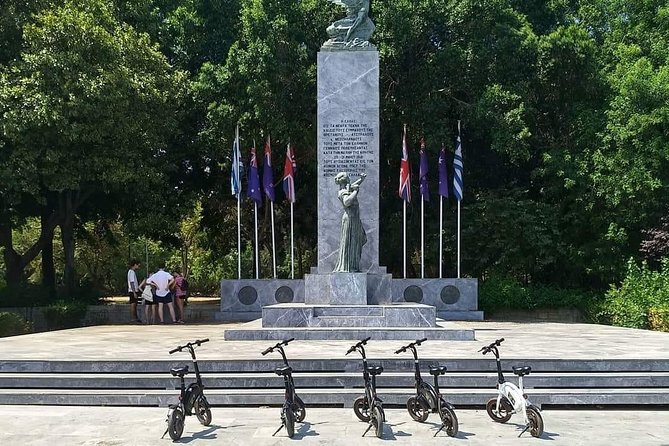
x=457 y=167
x=236 y=167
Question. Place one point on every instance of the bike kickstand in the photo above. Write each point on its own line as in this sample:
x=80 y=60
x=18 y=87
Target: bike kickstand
x=367 y=430
x=524 y=430
x=165 y=433
x=277 y=431
x=439 y=430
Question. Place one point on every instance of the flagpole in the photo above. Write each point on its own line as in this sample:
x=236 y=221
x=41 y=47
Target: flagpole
x=292 y=246
x=255 y=204
x=441 y=233
x=405 y=239
x=239 y=212
x=273 y=240
x=422 y=238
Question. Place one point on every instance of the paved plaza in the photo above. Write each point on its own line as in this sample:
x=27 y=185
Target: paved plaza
x=523 y=340
x=106 y=426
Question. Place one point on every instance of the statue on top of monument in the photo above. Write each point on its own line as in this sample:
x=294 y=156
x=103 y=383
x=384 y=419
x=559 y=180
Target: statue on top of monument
x=353 y=235
x=354 y=31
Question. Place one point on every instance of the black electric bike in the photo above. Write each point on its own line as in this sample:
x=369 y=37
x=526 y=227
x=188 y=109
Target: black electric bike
x=428 y=398
x=191 y=400
x=293 y=409
x=369 y=408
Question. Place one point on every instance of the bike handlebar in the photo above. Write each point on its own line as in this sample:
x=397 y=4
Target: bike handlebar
x=488 y=348
x=403 y=349
x=356 y=346
x=196 y=343
x=278 y=345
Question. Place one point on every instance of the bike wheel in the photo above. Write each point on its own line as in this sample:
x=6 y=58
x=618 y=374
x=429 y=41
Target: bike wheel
x=417 y=409
x=289 y=420
x=449 y=419
x=202 y=410
x=361 y=409
x=299 y=410
x=175 y=424
x=377 y=420
x=504 y=413
x=536 y=422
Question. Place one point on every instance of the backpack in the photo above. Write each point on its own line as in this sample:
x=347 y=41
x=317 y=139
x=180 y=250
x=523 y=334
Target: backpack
x=184 y=285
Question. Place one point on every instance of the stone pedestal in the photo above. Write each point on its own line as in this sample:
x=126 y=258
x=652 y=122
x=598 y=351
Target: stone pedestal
x=348 y=141
x=335 y=289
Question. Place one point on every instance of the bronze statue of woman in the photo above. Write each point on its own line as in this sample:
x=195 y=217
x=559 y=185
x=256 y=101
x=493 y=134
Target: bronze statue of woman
x=353 y=235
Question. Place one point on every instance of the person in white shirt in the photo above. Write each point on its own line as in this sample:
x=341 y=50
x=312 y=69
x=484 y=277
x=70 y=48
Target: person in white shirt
x=163 y=281
x=133 y=289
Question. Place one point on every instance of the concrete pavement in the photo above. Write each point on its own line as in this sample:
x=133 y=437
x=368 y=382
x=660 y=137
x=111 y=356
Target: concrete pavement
x=107 y=426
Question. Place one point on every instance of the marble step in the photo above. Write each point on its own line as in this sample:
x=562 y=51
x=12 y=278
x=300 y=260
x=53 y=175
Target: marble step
x=316 y=397
x=348 y=333
x=324 y=380
x=390 y=362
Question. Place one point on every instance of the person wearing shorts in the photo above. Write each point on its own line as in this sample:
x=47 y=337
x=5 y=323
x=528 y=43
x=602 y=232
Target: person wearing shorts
x=150 y=306
x=180 y=295
x=133 y=290
x=163 y=281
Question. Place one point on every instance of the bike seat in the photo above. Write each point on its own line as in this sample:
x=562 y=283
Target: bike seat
x=284 y=371
x=375 y=370
x=179 y=371
x=521 y=371
x=437 y=370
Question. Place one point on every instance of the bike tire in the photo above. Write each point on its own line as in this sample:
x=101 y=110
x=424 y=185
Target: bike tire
x=505 y=412
x=299 y=410
x=536 y=421
x=361 y=409
x=202 y=410
x=289 y=421
x=417 y=409
x=377 y=420
x=175 y=424
x=449 y=419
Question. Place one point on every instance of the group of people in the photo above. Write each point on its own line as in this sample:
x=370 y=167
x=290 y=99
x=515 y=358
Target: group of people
x=155 y=292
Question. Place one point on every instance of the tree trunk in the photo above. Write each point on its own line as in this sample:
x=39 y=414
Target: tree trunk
x=48 y=268
x=67 y=239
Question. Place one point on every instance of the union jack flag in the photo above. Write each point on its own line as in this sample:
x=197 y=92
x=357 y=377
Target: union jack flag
x=289 y=169
x=405 y=170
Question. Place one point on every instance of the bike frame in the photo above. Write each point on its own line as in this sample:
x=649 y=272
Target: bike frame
x=370 y=382
x=287 y=380
x=514 y=394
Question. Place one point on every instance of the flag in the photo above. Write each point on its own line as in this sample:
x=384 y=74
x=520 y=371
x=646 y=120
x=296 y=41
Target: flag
x=457 y=167
x=289 y=169
x=443 y=173
x=422 y=172
x=267 y=176
x=254 y=192
x=236 y=166
x=405 y=174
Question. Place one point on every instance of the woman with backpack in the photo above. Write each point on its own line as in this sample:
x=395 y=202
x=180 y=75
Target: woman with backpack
x=181 y=293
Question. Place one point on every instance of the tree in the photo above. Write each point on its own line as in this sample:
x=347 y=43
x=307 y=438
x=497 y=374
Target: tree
x=90 y=106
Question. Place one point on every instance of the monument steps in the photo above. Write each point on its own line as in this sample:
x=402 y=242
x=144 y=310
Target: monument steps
x=469 y=382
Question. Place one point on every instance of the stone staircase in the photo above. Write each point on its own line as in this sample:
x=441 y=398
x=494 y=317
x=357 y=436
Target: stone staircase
x=336 y=382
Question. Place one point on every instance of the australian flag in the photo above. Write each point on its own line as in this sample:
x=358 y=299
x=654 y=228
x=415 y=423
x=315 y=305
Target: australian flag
x=443 y=173
x=254 y=192
x=267 y=176
x=422 y=172
x=289 y=169
x=405 y=172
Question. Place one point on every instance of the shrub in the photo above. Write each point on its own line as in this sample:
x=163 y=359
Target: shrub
x=64 y=314
x=503 y=293
x=11 y=324
x=641 y=300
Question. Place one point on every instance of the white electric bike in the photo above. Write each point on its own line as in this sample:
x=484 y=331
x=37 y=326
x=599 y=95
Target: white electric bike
x=512 y=399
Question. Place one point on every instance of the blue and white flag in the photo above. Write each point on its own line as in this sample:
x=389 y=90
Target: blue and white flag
x=457 y=167
x=236 y=166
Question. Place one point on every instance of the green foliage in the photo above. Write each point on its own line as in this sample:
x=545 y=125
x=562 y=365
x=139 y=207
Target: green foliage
x=504 y=293
x=11 y=324
x=640 y=301
x=64 y=314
